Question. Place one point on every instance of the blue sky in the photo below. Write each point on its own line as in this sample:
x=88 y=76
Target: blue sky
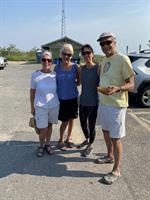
x=31 y=23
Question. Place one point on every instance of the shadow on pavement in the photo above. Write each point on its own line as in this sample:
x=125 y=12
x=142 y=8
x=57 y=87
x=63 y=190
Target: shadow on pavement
x=19 y=157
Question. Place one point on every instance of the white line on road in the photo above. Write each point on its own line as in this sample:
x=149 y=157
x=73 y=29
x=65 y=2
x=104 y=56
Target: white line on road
x=142 y=113
x=145 y=125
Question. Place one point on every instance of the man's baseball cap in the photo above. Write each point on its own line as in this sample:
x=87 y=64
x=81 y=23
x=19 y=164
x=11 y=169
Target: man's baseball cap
x=106 y=34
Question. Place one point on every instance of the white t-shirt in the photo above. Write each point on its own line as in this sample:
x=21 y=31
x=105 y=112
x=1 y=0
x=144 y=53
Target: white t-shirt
x=45 y=89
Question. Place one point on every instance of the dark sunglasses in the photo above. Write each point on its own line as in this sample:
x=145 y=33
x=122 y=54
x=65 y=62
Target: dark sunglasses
x=86 y=52
x=48 y=60
x=66 y=54
x=102 y=44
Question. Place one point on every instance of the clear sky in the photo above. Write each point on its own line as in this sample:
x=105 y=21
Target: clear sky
x=31 y=23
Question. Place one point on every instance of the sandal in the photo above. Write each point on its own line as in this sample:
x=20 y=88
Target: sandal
x=104 y=160
x=110 y=178
x=40 y=152
x=61 y=146
x=69 y=144
x=48 y=149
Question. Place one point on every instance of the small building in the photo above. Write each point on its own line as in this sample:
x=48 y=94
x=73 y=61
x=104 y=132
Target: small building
x=56 y=45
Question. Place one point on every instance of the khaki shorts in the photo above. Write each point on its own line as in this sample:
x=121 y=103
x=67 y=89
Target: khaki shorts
x=44 y=116
x=112 y=119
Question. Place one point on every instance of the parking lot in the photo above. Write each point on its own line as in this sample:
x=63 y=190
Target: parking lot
x=64 y=175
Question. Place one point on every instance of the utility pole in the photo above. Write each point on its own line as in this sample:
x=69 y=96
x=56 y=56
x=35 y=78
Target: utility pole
x=63 y=31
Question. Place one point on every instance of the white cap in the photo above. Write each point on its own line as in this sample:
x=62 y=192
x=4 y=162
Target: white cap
x=106 y=34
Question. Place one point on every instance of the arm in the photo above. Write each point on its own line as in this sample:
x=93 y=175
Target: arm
x=129 y=85
x=32 y=96
x=99 y=70
x=78 y=81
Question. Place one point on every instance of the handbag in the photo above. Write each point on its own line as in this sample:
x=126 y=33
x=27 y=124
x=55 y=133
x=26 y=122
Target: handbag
x=32 y=124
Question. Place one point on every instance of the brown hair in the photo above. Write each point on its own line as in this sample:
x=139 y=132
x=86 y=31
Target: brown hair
x=87 y=46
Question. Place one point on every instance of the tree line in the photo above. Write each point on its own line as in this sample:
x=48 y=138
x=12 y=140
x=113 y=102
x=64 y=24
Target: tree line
x=12 y=53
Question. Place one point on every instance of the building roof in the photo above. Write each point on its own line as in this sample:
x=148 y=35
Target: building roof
x=58 y=43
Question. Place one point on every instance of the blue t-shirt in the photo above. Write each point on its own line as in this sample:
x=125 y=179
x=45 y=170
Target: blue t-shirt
x=66 y=82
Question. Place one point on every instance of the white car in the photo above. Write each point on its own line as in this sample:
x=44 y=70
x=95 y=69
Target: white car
x=141 y=65
x=3 y=62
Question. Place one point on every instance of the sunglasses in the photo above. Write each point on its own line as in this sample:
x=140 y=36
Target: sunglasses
x=86 y=52
x=102 y=44
x=48 y=60
x=66 y=54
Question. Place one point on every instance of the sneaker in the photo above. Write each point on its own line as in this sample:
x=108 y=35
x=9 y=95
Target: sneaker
x=87 y=152
x=110 y=178
x=83 y=144
x=104 y=160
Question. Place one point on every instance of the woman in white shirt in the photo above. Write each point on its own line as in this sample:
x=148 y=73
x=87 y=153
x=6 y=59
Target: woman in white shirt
x=44 y=102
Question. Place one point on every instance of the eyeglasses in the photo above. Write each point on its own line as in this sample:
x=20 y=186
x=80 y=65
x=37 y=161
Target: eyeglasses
x=48 y=60
x=86 y=52
x=102 y=44
x=66 y=54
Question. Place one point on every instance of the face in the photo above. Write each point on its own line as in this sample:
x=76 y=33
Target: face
x=66 y=55
x=108 y=46
x=46 y=62
x=87 y=55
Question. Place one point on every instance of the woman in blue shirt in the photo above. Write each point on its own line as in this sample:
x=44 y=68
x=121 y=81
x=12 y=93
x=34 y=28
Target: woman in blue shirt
x=67 y=81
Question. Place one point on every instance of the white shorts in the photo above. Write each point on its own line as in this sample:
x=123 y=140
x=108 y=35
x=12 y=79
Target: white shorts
x=44 y=116
x=112 y=119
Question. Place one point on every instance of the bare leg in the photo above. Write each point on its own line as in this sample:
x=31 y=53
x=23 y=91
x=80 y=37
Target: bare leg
x=117 y=147
x=42 y=136
x=62 y=131
x=70 y=126
x=108 y=144
x=48 y=134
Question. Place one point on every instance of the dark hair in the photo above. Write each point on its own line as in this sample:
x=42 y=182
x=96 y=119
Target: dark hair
x=87 y=46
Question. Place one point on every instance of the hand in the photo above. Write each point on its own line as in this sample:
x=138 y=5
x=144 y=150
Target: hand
x=113 y=89
x=108 y=90
x=33 y=111
x=104 y=90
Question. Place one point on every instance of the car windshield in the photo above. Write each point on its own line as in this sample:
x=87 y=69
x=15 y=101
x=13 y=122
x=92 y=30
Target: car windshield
x=133 y=58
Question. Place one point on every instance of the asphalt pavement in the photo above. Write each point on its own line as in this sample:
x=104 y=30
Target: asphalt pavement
x=64 y=175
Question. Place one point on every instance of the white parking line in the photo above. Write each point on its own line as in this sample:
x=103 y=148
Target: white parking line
x=146 y=120
x=141 y=113
x=142 y=123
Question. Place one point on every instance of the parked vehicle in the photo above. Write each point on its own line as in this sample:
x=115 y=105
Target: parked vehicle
x=3 y=62
x=141 y=65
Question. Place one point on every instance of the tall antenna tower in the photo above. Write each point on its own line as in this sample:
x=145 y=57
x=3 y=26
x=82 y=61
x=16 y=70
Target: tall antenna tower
x=63 y=28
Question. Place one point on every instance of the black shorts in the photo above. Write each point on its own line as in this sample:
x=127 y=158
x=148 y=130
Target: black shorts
x=68 y=109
